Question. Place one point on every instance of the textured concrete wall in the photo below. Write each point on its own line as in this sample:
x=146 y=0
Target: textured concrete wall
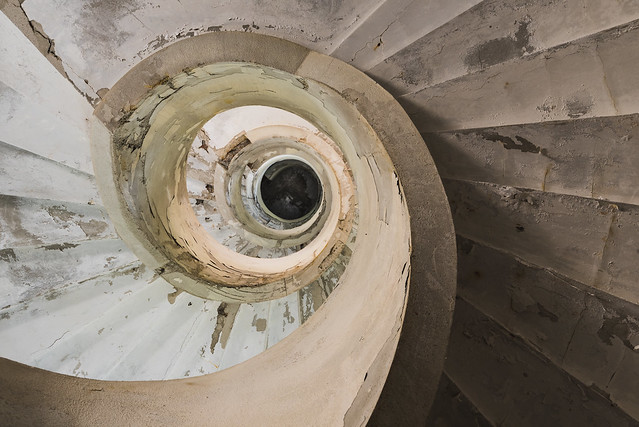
x=592 y=335
x=514 y=386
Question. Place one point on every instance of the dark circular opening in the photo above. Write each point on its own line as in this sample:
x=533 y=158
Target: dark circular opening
x=290 y=190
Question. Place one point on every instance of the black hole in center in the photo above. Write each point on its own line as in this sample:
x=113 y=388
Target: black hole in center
x=290 y=189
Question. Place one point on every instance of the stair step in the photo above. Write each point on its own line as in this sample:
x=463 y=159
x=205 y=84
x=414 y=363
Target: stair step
x=196 y=356
x=154 y=353
x=32 y=76
x=61 y=312
x=585 y=78
x=94 y=348
x=393 y=26
x=452 y=408
x=494 y=32
x=586 y=333
x=30 y=222
x=26 y=174
x=590 y=241
x=95 y=54
x=594 y=157
x=249 y=335
x=29 y=125
x=511 y=384
x=29 y=271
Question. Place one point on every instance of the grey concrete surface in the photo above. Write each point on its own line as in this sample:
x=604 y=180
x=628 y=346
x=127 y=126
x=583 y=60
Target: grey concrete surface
x=516 y=386
x=585 y=78
x=591 y=241
x=594 y=157
x=452 y=408
x=494 y=32
x=591 y=335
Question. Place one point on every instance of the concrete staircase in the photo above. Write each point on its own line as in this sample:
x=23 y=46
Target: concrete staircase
x=529 y=109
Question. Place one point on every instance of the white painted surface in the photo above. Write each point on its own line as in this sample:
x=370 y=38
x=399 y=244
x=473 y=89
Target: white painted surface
x=59 y=319
x=283 y=318
x=25 y=174
x=44 y=96
x=224 y=126
x=27 y=272
x=248 y=336
x=31 y=125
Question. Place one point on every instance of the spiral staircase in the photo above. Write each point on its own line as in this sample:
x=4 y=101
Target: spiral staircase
x=113 y=311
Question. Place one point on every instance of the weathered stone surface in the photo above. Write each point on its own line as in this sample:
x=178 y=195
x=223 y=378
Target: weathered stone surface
x=595 y=157
x=25 y=174
x=579 y=79
x=604 y=350
x=494 y=32
x=410 y=385
x=32 y=222
x=392 y=26
x=451 y=408
x=576 y=237
x=530 y=302
x=513 y=385
x=590 y=334
x=111 y=37
x=27 y=272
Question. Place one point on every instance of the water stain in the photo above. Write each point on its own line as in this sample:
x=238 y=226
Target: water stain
x=59 y=213
x=579 y=105
x=501 y=49
x=93 y=228
x=519 y=143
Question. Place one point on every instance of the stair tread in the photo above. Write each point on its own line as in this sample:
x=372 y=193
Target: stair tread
x=494 y=32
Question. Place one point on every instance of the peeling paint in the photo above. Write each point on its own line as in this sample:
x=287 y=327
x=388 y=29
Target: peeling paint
x=259 y=324
x=226 y=313
x=93 y=228
x=173 y=295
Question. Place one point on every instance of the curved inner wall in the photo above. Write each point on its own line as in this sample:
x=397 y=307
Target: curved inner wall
x=168 y=215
